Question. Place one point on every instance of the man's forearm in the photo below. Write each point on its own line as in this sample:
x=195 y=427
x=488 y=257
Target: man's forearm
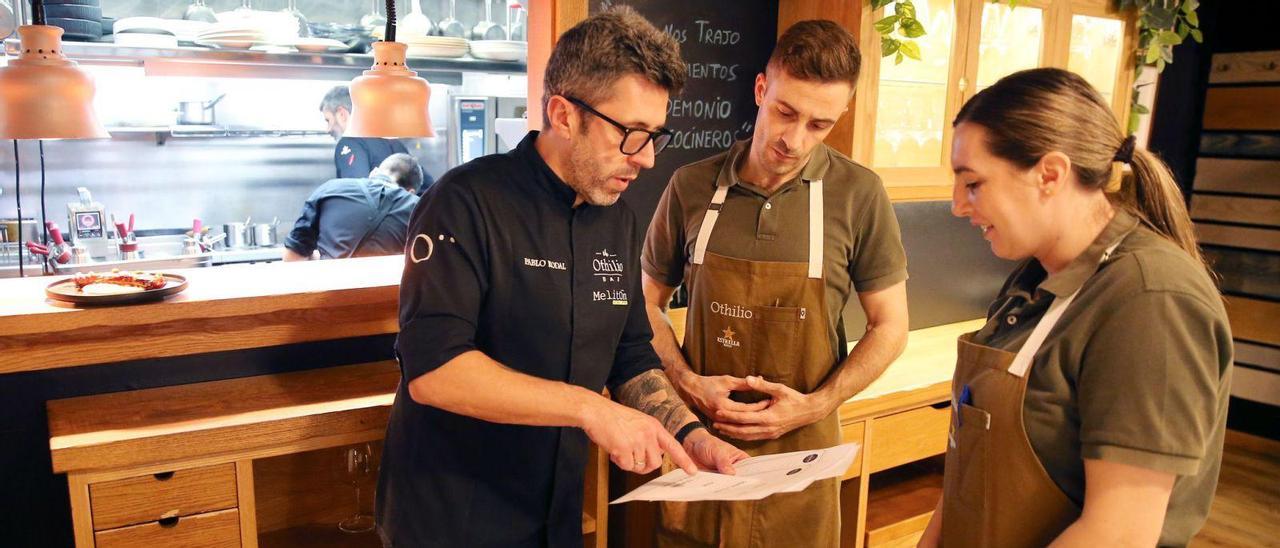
x=475 y=385
x=665 y=344
x=652 y=393
x=866 y=362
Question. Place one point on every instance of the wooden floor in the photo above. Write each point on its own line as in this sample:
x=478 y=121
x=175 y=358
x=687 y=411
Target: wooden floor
x=1246 y=509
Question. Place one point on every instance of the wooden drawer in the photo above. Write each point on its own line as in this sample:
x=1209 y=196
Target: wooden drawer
x=212 y=530
x=149 y=498
x=852 y=433
x=908 y=436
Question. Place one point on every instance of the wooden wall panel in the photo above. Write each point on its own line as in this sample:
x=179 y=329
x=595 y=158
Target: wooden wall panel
x=1246 y=272
x=1238 y=236
x=1266 y=357
x=1240 y=145
x=1234 y=209
x=848 y=14
x=1255 y=385
x=1251 y=66
x=1260 y=177
x=1244 y=108
x=1254 y=320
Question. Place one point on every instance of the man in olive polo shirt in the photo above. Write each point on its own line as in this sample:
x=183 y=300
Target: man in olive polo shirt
x=771 y=238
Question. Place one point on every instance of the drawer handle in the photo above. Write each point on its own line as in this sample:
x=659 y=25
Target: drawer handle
x=162 y=476
x=169 y=521
x=941 y=404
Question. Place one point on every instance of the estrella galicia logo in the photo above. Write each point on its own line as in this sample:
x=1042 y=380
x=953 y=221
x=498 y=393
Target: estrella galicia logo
x=726 y=338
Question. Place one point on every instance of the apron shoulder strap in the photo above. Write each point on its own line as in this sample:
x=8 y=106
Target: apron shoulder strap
x=381 y=210
x=816 y=233
x=709 y=223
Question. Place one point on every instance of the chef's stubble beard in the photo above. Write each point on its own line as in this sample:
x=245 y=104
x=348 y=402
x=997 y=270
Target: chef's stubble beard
x=585 y=175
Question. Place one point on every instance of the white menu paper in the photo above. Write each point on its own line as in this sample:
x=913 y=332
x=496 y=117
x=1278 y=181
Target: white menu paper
x=756 y=478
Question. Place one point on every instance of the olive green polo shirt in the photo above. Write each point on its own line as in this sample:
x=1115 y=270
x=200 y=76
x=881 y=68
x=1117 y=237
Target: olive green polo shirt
x=863 y=245
x=1137 y=370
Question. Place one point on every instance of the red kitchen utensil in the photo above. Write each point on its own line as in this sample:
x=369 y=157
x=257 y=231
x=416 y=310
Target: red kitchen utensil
x=130 y=223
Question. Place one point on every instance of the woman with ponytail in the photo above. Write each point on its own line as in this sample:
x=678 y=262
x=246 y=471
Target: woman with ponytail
x=1090 y=410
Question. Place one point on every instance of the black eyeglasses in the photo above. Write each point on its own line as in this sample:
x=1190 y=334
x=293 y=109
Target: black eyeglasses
x=633 y=139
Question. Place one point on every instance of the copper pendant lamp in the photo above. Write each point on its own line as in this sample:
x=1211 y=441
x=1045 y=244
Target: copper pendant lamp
x=389 y=100
x=44 y=95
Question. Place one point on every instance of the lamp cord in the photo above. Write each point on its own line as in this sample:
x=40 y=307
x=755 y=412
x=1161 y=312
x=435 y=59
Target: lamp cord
x=37 y=12
x=44 y=216
x=17 y=193
x=390 y=34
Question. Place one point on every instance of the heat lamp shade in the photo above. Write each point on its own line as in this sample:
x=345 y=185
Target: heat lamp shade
x=389 y=100
x=43 y=95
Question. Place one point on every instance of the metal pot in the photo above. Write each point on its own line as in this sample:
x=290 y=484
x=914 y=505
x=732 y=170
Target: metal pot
x=238 y=235
x=30 y=230
x=264 y=235
x=197 y=112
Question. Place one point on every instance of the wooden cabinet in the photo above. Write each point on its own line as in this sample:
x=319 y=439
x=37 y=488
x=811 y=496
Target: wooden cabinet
x=163 y=495
x=219 y=529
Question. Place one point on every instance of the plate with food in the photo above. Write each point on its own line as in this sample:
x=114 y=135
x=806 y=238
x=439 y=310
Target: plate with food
x=116 y=287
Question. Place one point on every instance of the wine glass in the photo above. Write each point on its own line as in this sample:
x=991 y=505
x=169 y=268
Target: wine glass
x=357 y=465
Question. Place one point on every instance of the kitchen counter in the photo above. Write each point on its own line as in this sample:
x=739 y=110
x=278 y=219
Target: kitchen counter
x=226 y=308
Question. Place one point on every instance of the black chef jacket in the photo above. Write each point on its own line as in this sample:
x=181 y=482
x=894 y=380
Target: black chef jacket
x=500 y=261
x=342 y=214
x=355 y=157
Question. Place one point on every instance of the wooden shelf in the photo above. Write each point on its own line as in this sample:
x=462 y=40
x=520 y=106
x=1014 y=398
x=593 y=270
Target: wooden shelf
x=901 y=502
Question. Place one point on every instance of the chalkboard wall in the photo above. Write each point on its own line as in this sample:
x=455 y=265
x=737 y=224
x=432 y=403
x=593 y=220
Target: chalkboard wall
x=724 y=44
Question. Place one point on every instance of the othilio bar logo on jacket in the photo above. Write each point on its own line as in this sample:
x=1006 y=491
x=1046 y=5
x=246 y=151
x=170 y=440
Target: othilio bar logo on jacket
x=726 y=338
x=606 y=266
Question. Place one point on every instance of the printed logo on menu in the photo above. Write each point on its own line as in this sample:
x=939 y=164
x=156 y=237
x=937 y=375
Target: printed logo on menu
x=606 y=267
x=726 y=338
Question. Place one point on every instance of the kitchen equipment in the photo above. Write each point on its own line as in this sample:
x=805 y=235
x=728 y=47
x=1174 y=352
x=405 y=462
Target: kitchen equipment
x=304 y=28
x=264 y=235
x=473 y=128
x=237 y=235
x=87 y=224
x=30 y=230
x=8 y=20
x=487 y=29
x=197 y=112
x=415 y=23
x=519 y=26
x=452 y=27
x=373 y=19
x=198 y=11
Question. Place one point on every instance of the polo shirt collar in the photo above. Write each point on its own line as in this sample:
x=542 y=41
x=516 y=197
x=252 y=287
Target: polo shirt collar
x=814 y=169
x=1071 y=278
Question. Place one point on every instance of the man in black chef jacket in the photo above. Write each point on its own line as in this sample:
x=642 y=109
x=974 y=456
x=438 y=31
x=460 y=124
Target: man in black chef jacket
x=355 y=157
x=521 y=301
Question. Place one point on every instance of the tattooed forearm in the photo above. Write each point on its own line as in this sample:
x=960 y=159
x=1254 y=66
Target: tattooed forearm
x=651 y=393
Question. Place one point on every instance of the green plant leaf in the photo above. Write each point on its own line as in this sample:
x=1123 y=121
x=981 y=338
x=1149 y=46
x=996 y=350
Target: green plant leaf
x=911 y=28
x=1197 y=36
x=1193 y=19
x=885 y=26
x=898 y=60
x=906 y=9
x=877 y=4
x=911 y=49
x=1159 y=65
x=1169 y=38
x=888 y=46
x=1190 y=6
x=1141 y=108
x=1152 y=54
x=1183 y=29
x=1166 y=54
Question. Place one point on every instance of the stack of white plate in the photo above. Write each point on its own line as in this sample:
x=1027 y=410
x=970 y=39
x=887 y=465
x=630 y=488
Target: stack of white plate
x=233 y=35
x=145 y=29
x=500 y=50
x=318 y=45
x=435 y=46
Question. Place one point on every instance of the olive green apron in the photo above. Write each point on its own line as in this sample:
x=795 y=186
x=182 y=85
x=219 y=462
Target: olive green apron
x=995 y=490
x=767 y=319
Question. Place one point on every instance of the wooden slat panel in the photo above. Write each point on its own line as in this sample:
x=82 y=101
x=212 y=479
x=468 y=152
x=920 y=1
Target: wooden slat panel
x=1258 y=355
x=1254 y=320
x=212 y=530
x=149 y=498
x=1259 y=386
x=908 y=437
x=1247 y=108
x=1251 y=273
x=1267 y=239
x=1235 y=209
x=1240 y=145
x=1233 y=175
x=1251 y=66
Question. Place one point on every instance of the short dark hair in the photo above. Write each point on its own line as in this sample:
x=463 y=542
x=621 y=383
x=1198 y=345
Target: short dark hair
x=595 y=53
x=818 y=50
x=339 y=96
x=404 y=170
